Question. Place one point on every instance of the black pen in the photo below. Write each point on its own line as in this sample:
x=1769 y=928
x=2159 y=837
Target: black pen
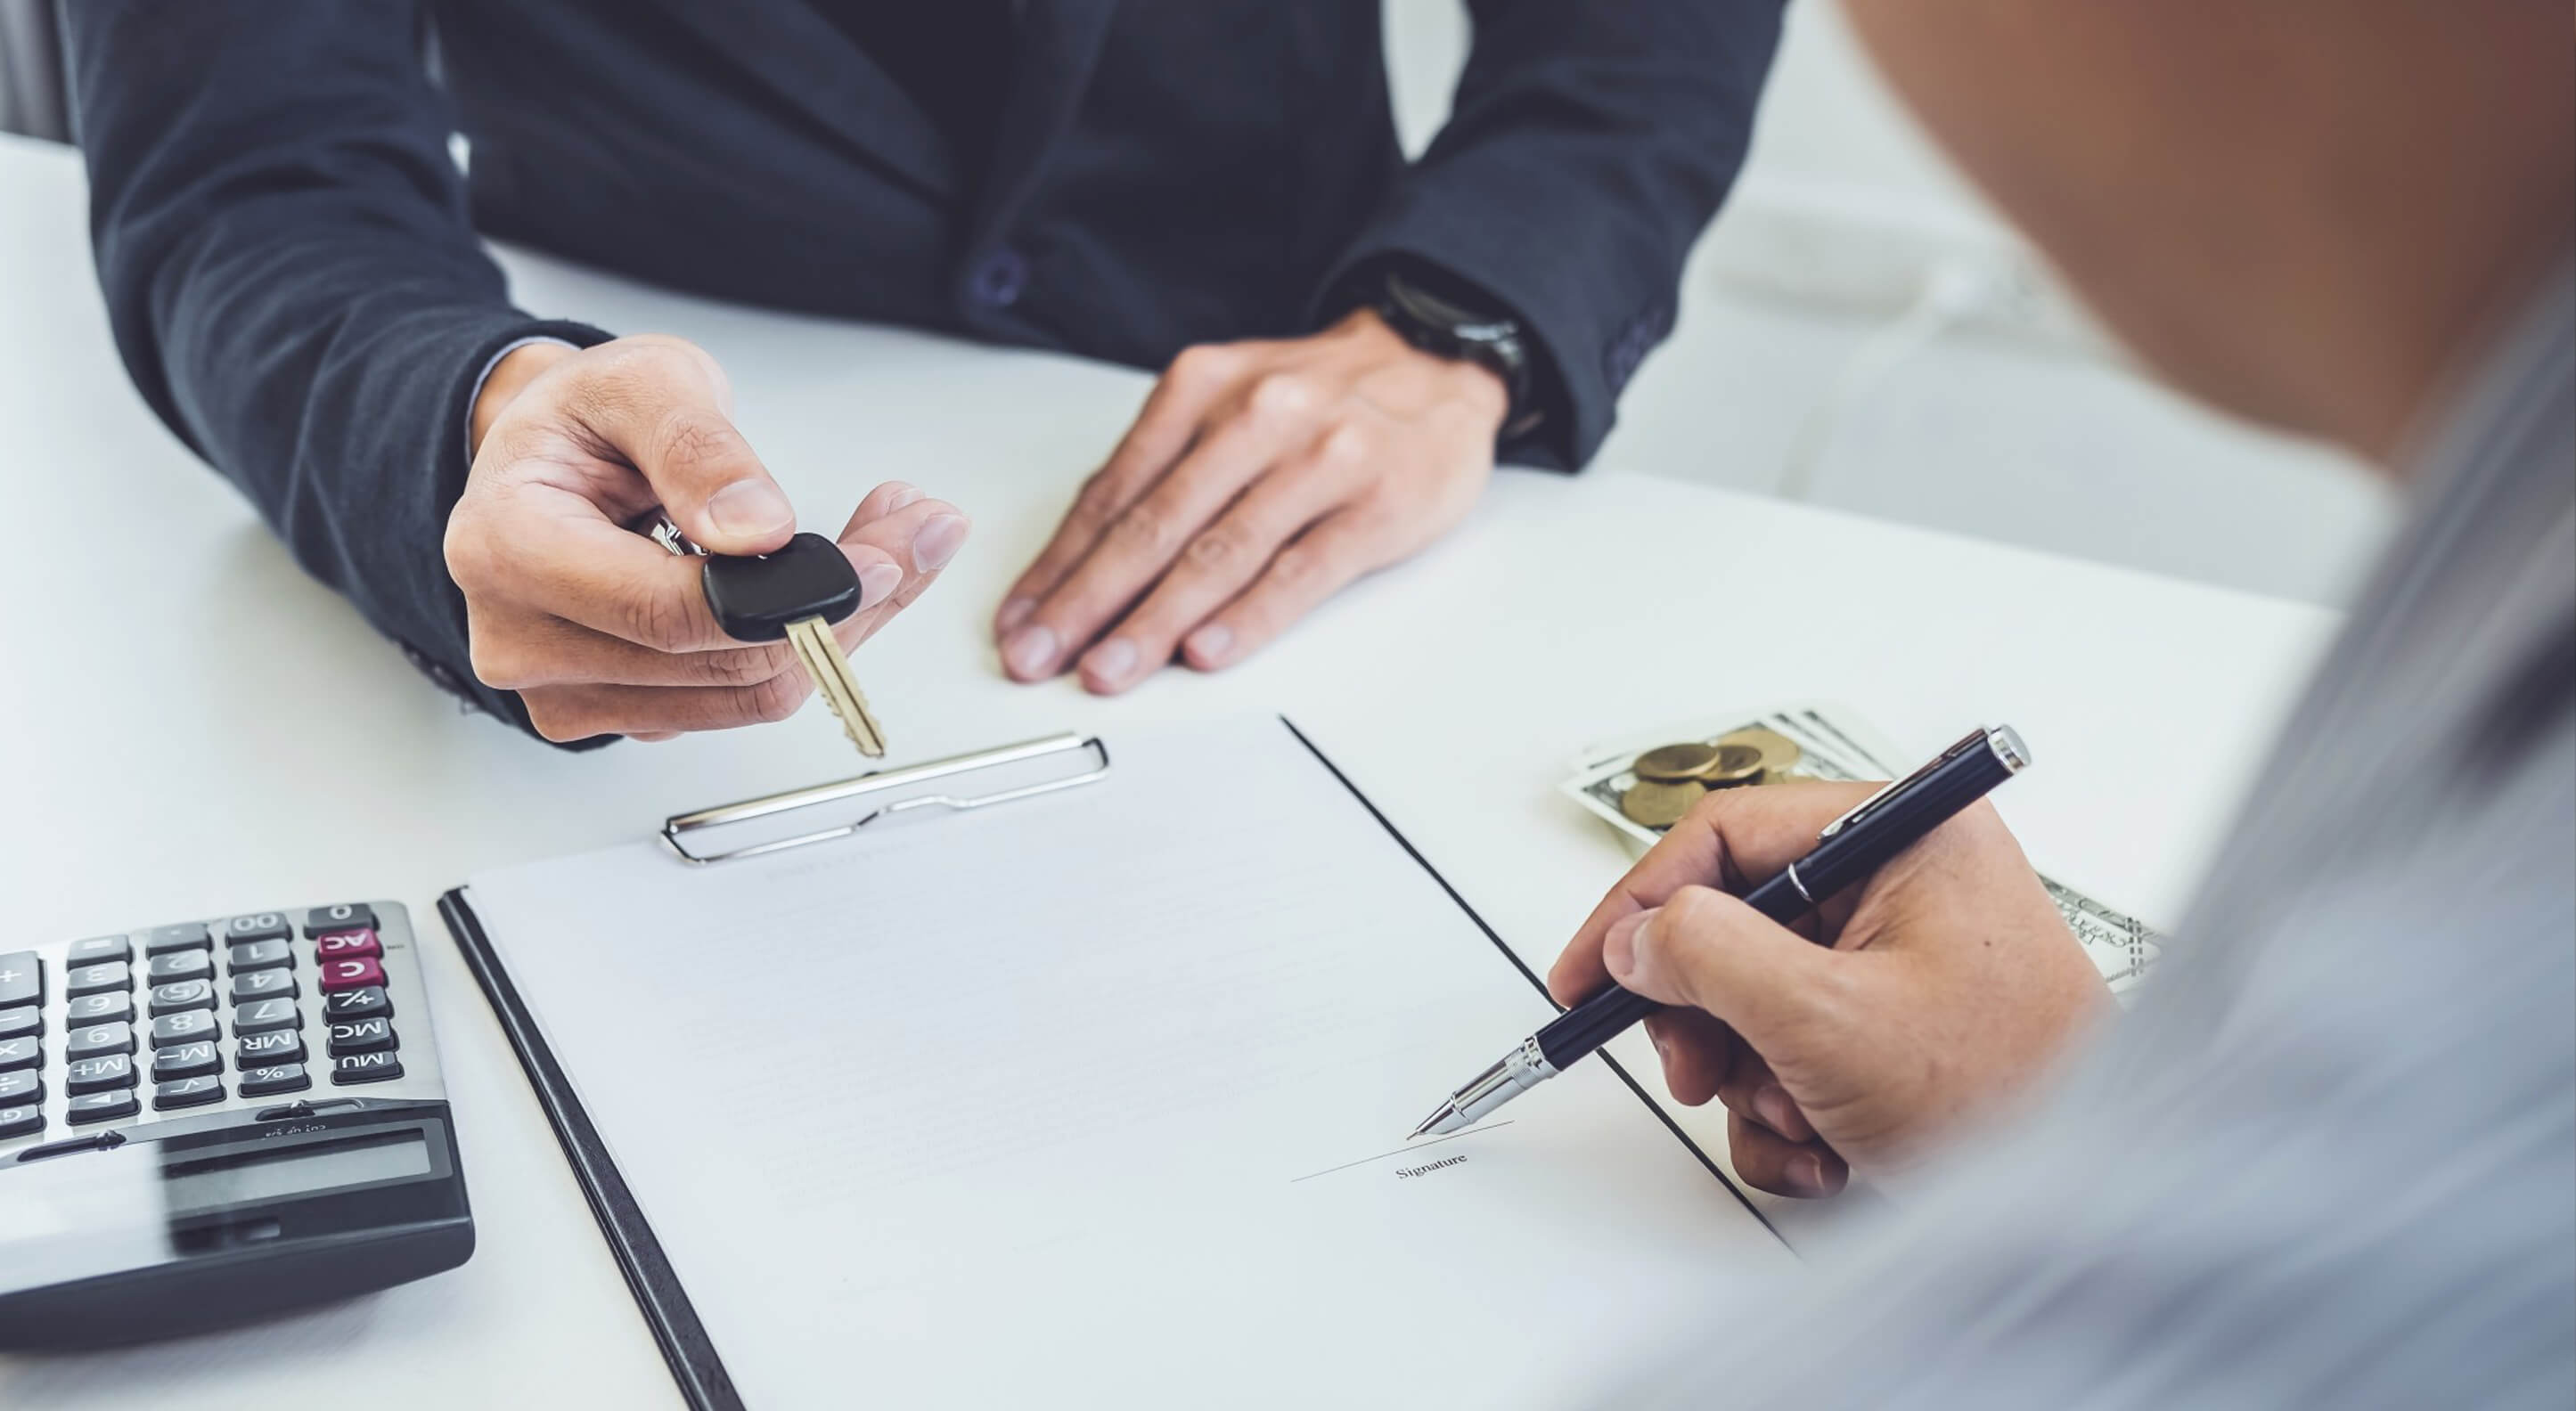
x=1850 y=848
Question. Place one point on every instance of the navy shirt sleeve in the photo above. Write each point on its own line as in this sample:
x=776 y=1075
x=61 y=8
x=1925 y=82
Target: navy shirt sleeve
x=282 y=239
x=1609 y=127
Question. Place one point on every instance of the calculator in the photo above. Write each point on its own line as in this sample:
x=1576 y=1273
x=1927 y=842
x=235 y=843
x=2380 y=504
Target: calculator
x=206 y=1122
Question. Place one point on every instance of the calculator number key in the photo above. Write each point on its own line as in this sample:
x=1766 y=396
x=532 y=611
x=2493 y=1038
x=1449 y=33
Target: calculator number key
x=265 y=926
x=351 y=974
x=187 y=1026
x=364 y=1003
x=259 y=955
x=264 y=984
x=275 y=1078
x=182 y=995
x=362 y=1036
x=179 y=965
x=96 y=1009
x=382 y=1066
x=97 y=979
x=98 y=1039
x=347 y=916
x=261 y=1016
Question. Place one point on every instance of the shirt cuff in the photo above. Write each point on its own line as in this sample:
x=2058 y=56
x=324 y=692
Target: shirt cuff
x=467 y=438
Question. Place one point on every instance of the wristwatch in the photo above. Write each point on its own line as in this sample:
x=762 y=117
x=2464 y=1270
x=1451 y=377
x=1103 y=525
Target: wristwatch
x=1444 y=326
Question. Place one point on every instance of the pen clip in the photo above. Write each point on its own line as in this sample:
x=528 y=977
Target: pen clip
x=1972 y=740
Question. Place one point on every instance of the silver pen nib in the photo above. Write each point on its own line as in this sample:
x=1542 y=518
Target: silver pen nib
x=1508 y=1077
x=1440 y=1123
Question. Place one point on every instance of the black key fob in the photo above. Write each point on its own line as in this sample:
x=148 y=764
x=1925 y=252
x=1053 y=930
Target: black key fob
x=755 y=596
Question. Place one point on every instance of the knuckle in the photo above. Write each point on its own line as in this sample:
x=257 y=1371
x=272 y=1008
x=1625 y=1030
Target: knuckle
x=1200 y=365
x=731 y=667
x=1141 y=530
x=1296 y=566
x=1217 y=548
x=555 y=722
x=1282 y=396
x=1345 y=445
x=777 y=698
x=498 y=666
x=654 y=618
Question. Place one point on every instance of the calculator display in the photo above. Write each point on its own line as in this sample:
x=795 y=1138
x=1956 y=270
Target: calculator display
x=241 y=1180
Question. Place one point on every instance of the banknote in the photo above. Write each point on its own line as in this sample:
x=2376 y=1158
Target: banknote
x=1834 y=743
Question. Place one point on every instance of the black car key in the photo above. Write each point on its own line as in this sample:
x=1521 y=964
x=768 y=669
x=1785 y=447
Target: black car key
x=796 y=593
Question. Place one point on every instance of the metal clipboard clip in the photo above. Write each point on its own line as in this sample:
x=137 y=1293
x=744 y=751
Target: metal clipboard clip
x=1011 y=773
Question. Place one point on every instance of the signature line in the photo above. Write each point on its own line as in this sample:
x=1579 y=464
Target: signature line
x=1399 y=1151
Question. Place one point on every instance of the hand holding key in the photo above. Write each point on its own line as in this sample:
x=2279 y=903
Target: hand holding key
x=600 y=630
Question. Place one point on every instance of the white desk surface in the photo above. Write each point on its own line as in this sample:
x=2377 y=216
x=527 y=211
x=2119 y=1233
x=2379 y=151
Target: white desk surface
x=191 y=726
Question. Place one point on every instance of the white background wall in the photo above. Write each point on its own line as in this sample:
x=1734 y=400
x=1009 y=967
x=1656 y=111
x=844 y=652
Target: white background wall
x=2018 y=425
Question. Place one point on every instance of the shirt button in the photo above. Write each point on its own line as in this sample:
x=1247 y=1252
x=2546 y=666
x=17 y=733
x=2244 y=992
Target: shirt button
x=998 y=279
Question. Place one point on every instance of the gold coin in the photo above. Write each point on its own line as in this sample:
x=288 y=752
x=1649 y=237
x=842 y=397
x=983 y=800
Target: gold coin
x=1779 y=752
x=1671 y=762
x=1660 y=803
x=1735 y=764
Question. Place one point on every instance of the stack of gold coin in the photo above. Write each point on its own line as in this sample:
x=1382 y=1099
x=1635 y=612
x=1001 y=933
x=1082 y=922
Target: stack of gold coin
x=1671 y=778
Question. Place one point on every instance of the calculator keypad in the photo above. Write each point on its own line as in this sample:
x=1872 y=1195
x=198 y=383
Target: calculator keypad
x=100 y=1107
x=179 y=965
x=22 y=979
x=182 y=995
x=191 y=1060
x=275 y=1078
x=194 y=1016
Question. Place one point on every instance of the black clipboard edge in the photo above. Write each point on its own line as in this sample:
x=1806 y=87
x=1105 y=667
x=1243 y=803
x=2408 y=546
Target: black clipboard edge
x=1532 y=976
x=658 y=1295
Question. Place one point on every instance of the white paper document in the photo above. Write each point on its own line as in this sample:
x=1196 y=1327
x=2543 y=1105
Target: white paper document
x=1100 y=1098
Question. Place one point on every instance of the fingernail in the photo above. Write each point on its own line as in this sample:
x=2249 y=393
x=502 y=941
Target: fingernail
x=1208 y=645
x=877 y=583
x=1777 y=1112
x=937 y=541
x=1806 y=1172
x=750 y=509
x=903 y=497
x=1619 y=946
x=1030 y=652
x=1110 y=662
x=1013 y=613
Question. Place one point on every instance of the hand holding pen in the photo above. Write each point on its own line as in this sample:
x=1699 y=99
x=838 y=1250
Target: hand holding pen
x=1926 y=993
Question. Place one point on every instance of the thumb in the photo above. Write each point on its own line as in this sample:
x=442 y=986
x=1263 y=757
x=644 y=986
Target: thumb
x=1708 y=950
x=666 y=411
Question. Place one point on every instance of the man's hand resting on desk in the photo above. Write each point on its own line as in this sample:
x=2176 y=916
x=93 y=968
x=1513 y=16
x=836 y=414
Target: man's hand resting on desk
x=1951 y=986
x=1260 y=478
x=599 y=629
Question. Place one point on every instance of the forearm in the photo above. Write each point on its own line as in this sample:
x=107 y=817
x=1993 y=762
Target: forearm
x=293 y=284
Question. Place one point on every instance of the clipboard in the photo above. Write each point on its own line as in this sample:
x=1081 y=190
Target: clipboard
x=812 y=817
